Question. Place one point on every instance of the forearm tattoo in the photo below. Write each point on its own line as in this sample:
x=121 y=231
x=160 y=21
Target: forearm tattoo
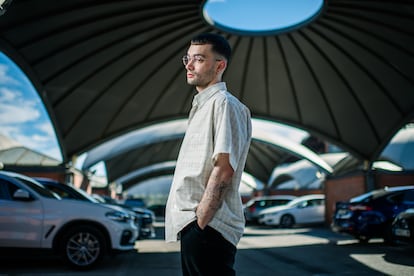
x=216 y=193
x=213 y=196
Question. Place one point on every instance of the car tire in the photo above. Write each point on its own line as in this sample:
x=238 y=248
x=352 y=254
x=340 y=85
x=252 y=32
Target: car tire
x=287 y=221
x=82 y=247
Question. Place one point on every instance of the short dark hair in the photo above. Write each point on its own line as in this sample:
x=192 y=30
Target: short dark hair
x=220 y=45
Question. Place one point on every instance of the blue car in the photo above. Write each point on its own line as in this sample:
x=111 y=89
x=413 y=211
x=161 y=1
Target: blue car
x=371 y=215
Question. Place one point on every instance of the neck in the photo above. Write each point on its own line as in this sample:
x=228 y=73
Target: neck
x=202 y=88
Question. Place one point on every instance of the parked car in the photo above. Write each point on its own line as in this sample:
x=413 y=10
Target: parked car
x=135 y=202
x=82 y=232
x=143 y=218
x=255 y=205
x=403 y=227
x=159 y=210
x=370 y=215
x=307 y=209
x=147 y=216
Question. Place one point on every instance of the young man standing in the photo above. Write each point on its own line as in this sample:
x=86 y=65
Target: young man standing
x=204 y=208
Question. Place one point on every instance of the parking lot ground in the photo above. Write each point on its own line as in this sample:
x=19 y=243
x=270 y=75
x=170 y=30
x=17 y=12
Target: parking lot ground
x=262 y=251
x=318 y=251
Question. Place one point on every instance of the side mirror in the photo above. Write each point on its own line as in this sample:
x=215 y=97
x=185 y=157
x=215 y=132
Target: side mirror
x=303 y=205
x=22 y=195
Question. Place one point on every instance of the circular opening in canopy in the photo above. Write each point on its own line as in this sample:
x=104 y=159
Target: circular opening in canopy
x=261 y=17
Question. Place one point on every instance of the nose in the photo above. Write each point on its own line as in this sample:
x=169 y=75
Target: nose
x=190 y=63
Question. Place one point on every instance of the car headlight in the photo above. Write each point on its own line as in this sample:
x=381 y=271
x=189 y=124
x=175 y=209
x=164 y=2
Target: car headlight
x=118 y=216
x=402 y=223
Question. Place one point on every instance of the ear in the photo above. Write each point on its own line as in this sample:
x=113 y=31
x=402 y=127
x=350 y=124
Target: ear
x=222 y=64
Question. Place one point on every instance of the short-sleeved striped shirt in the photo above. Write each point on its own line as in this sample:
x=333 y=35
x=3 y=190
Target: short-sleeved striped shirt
x=218 y=123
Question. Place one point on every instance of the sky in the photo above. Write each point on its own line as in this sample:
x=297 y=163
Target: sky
x=264 y=16
x=24 y=119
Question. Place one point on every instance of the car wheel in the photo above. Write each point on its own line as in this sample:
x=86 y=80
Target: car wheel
x=287 y=221
x=83 y=246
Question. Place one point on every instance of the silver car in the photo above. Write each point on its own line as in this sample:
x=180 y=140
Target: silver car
x=32 y=216
x=257 y=204
x=307 y=209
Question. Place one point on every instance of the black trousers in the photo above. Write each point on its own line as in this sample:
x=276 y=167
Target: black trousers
x=206 y=252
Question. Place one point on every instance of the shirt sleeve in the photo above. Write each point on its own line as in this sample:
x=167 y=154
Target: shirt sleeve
x=231 y=131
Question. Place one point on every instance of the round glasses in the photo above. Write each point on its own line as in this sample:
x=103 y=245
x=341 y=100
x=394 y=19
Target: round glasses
x=197 y=59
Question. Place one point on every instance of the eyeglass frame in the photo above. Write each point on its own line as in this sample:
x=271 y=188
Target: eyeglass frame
x=186 y=59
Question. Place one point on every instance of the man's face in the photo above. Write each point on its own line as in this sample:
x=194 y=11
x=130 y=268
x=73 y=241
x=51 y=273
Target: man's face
x=202 y=67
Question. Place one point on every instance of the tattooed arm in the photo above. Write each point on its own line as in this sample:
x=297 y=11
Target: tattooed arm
x=219 y=182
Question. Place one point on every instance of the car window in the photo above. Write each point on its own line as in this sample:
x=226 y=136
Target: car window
x=396 y=198
x=7 y=189
x=303 y=204
x=279 y=202
x=409 y=197
x=2 y=190
x=38 y=188
x=317 y=202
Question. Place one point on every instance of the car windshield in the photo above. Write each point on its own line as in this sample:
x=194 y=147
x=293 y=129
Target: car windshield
x=135 y=202
x=85 y=194
x=295 y=202
x=39 y=188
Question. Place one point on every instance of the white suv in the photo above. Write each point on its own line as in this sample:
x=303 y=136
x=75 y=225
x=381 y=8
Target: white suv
x=81 y=232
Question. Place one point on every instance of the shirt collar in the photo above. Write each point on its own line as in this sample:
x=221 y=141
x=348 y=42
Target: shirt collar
x=202 y=97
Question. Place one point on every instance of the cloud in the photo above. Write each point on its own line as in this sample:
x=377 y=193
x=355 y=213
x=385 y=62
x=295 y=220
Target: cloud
x=10 y=131
x=8 y=95
x=15 y=109
x=47 y=128
x=5 y=77
x=31 y=141
x=37 y=140
x=23 y=117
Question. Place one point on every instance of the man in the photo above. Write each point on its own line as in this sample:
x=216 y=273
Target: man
x=204 y=208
